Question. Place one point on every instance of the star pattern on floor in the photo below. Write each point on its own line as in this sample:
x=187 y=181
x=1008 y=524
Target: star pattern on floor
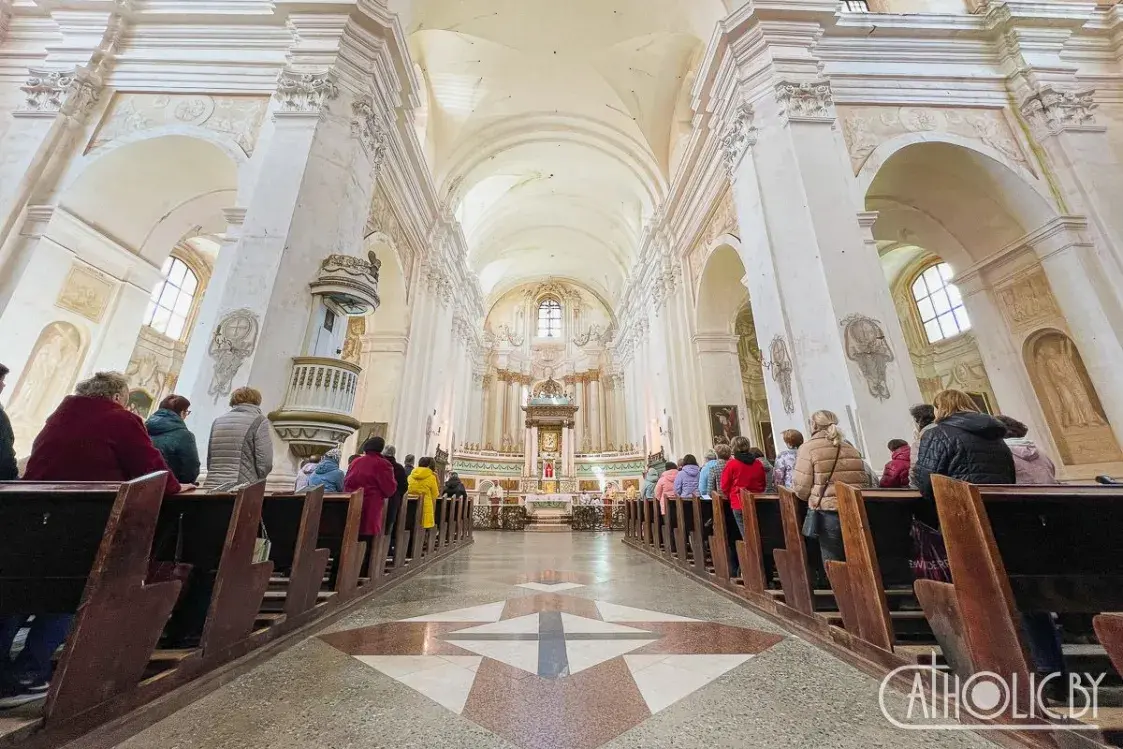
x=550 y=670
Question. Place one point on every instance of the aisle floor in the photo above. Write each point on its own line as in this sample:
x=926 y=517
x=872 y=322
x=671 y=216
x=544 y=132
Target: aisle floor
x=547 y=641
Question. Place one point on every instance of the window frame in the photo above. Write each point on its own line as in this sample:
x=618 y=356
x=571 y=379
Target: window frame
x=553 y=324
x=156 y=299
x=941 y=301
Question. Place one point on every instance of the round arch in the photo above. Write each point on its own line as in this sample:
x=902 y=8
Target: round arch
x=720 y=291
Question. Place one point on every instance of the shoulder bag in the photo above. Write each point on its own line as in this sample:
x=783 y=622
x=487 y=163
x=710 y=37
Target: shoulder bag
x=813 y=523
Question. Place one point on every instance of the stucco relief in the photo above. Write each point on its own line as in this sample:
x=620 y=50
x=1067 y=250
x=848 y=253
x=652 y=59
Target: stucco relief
x=234 y=340
x=782 y=369
x=86 y=292
x=867 y=346
x=722 y=220
x=47 y=378
x=1028 y=302
x=1072 y=406
x=383 y=219
x=353 y=343
x=237 y=117
x=865 y=128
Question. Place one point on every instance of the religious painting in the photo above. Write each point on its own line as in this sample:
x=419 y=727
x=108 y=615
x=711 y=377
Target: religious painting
x=1072 y=407
x=547 y=469
x=371 y=429
x=724 y=424
x=768 y=440
x=86 y=292
x=549 y=441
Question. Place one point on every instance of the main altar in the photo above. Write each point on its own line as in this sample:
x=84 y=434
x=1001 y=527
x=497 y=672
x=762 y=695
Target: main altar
x=549 y=468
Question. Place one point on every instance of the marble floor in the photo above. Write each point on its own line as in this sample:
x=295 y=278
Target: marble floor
x=546 y=641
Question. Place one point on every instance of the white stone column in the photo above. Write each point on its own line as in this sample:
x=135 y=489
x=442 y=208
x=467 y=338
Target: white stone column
x=311 y=200
x=582 y=426
x=567 y=450
x=801 y=241
x=596 y=435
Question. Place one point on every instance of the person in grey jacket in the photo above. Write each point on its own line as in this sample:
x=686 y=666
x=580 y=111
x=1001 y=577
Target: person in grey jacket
x=241 y=444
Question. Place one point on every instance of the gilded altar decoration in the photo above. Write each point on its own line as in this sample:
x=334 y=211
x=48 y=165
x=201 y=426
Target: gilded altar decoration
x=549 y=440
x=86 y=292
x=353 y=343
x=235 y=338
x=867 y=346
x=550 y=388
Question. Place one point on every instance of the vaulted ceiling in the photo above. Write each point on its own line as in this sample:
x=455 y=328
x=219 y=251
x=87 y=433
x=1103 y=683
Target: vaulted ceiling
x=553 y=127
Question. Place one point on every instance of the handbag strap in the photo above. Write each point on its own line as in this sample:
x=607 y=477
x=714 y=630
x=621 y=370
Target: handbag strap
x=823 y=488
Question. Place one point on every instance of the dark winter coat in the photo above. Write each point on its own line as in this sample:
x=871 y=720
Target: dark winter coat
x=965 y=446
x=896 y=474
x=454 y=489
x=9 y=470
x=94 y=439
x=327 y=475
x=176 y=443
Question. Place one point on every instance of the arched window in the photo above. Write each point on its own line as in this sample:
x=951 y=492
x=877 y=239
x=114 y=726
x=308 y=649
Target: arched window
x=940 y=304
x=549 y=319
x=170 y=303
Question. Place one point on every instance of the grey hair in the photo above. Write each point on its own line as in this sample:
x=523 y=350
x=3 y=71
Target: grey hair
x=103 y=385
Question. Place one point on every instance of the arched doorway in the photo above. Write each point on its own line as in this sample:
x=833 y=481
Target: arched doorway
x=959 y=229
x=729 y=354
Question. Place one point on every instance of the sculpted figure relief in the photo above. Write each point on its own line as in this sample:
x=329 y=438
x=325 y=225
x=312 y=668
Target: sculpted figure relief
x=1062 y=369
x=866 y=345
x=234 y=340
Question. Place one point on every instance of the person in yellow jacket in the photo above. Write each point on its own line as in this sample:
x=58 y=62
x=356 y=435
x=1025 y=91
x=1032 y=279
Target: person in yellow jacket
x=423 y=481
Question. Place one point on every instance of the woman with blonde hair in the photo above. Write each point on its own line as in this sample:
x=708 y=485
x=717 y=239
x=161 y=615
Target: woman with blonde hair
x=963 y=444
x=823 y=460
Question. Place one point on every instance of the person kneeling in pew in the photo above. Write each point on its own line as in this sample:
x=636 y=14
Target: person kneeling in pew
x=91 y=436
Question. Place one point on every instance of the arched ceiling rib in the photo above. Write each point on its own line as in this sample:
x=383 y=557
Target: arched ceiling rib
x=551 y=125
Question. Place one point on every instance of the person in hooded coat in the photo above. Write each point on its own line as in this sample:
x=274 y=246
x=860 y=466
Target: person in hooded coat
x=327 y=473
x=650 y=479
x=454 y=487
x=305 y=472
x=963 y=444
x=665 y=486
x=423 y=482
x=173 y=439
x=743 y=471
x=896 y=473
x=374 y=474
x=687 y=481
x=1031 y=466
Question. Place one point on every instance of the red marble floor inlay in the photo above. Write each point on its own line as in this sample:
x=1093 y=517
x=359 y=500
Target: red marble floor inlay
x=550 y=671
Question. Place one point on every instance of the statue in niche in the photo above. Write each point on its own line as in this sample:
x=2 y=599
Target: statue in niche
x=234 y=340
x=46 y=379
x=782 y=369
x=1067 y=387
x=866 y=345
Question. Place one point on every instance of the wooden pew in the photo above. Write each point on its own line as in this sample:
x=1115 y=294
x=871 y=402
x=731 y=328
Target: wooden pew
x=1016 y=549
x=676 y=505
x=85 y=549
x=719 y=542
x=697 y=537
x=764 y=534
x=403 y=535
x=791 y=561
x=293 y=525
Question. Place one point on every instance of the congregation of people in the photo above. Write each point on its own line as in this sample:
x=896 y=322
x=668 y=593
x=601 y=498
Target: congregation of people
x=951 y=438
x=92 y=436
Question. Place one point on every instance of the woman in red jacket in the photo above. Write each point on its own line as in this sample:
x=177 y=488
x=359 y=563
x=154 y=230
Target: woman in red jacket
x=896 y=474
x=91 y=436
x=743 y=471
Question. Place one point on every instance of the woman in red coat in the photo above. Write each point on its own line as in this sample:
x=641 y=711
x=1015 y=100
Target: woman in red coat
x=90 y=437
x=896 y=474
x=743 y=471
x=375 y=476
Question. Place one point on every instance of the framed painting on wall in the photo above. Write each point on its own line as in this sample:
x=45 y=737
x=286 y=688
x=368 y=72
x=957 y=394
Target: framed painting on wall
x=724 y=424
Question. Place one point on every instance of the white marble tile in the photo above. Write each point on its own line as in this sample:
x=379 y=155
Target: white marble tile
x=489 y=612
x=661 y=685
x=448 y=685
x=550 y=587
x=583 y=654
x=580 y=625
x=612 y=612
x=522 y=654
x=640 y=662
x=397 y=666
x=519 y=625
x=709 y=665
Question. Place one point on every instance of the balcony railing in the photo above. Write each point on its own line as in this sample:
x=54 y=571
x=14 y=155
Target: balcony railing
x=317 y=412
x=323 y=385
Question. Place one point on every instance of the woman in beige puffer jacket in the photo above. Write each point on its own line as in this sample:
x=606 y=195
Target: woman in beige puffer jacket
x=822 y=461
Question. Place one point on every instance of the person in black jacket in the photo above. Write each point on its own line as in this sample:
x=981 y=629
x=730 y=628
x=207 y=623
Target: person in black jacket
x=395 y=506
x=454 y=487
x=9 y=469
x=963 y=444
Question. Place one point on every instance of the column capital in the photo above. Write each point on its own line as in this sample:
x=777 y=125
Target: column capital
x=305 y=93
x=1053 y=109
x=72 y=93
x=738 y=136
x=805 y=101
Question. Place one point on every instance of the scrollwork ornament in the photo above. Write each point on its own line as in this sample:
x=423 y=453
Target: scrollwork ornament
x=72 y=93
x=807 y=100
x=367 y=126
x=305 y=93
x=738 y=137
x=1051 y=110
